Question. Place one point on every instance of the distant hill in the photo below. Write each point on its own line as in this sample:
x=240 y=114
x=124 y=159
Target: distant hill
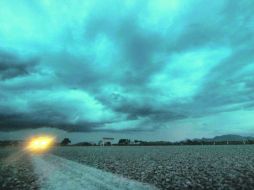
x=227 y=138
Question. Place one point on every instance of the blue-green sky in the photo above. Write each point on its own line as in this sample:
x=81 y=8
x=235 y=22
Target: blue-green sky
x=147 y=68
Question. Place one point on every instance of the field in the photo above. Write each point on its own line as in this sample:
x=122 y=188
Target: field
x=169 y=167
x=16 y=170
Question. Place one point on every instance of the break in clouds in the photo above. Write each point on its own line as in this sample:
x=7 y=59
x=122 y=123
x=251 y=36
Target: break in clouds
x=125 y=65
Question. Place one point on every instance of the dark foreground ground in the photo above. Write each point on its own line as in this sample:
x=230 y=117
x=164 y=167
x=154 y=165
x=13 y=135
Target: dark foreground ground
x=16 y=171
x=171 y=167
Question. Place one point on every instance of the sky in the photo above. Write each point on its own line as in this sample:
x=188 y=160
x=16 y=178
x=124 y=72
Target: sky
x=147 y=69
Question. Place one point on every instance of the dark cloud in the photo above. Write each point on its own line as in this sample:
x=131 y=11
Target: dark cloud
x=38 y=120
x=12 y=66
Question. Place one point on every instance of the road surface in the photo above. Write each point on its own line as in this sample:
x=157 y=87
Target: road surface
x=56 y=173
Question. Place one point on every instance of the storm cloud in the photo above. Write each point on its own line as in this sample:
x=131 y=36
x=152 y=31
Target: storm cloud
x=124 y=65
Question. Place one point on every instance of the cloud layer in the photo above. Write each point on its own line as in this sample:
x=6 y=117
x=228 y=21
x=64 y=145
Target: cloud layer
x=123 y=65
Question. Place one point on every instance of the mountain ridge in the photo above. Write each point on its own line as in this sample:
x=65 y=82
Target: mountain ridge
x=228 y=137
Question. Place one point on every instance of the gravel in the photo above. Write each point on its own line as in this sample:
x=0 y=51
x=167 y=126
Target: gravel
x=169 y=167
x=16 y=171
x=173 y=167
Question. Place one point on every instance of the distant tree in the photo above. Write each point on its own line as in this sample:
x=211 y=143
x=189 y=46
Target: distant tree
x=107 y=144
x=82 y=144
x=124 y=141
x=65 y=142
x=138 y=142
